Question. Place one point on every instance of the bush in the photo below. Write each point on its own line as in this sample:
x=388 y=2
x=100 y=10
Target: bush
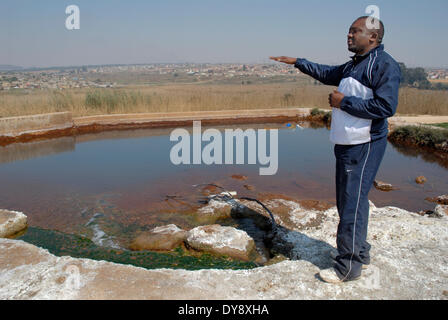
x=93 y=99
x=317 y=112
x=414 y=77
x=422 y=136
x=324 y=115
x=327 y=117
x=111 y=99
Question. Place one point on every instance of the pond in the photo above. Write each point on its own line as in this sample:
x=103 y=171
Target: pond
x=109 y=186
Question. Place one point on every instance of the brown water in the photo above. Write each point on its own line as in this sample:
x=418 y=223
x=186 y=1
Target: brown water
x=109 y=186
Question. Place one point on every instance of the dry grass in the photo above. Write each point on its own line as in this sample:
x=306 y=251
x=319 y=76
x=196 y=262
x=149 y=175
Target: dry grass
x=428 y=102
x=194 y=97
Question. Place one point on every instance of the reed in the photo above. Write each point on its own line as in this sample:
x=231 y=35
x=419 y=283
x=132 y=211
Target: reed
x=196 y=97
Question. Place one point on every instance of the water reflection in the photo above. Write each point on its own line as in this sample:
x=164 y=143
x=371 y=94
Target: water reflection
x=417 y=152
x=24 y=151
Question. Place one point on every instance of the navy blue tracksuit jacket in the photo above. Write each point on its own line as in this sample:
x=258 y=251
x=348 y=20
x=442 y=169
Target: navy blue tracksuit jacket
x=359 y=131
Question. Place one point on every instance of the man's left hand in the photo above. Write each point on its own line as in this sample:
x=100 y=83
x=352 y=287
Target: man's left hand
x=335 y=99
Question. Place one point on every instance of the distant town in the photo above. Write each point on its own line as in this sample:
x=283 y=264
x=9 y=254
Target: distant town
x=438 y=74
x=84 y=77
x=93 y=76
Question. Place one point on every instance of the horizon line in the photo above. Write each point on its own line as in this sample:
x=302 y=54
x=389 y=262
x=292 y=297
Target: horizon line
x=37 y=68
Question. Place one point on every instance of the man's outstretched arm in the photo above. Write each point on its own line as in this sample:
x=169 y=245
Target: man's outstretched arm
x=329 y=75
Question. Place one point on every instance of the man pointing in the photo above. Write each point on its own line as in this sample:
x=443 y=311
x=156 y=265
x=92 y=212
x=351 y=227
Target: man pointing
x=367 y=95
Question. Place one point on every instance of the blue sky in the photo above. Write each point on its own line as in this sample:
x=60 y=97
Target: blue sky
x=33 y=33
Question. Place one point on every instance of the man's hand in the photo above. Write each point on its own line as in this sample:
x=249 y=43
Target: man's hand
x=287 y=60
x=335 y=99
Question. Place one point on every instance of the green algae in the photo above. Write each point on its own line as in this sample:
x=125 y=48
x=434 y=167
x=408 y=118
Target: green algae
x=63 y=244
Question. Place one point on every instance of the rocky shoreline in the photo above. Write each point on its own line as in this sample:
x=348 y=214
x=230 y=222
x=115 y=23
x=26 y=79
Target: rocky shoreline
x=409 y=258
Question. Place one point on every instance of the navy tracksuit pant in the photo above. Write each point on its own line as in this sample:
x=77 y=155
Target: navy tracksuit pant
x=356 y=168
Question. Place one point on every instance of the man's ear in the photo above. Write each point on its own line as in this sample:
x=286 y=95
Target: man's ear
x=374 y=36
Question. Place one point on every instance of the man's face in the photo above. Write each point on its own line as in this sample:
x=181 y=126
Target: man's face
x=359 y=38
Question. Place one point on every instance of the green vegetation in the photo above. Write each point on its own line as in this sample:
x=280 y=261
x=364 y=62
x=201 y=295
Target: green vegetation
x=326 y=115
x=421 y=136
x=62 y=244
x=111 y=99
x=442 y=125
x=416 y=77
x=316 y=112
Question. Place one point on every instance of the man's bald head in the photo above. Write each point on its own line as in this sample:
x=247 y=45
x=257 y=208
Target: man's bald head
x=374 y=25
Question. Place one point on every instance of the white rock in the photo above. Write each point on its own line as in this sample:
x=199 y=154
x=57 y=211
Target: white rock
x=11 y=222
x=167 y=229
x=163 y=238
x=213 y=206
x=213 y=211
x=443 y=199
x=441 y=210
x=221 y=240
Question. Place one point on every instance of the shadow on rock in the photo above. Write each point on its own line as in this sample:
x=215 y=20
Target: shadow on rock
x=274 y=240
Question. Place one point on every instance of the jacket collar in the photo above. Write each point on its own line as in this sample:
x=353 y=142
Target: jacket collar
x=358 y=58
